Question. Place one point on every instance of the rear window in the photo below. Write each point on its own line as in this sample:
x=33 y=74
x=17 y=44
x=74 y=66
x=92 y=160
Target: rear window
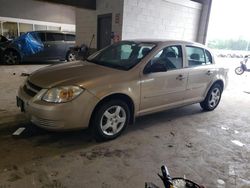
x=55 y=37
x=70 y=37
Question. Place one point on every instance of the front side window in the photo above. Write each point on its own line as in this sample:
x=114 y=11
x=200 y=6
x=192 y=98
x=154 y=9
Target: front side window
x=123 y=55
x=196 y=56
x=170 y=57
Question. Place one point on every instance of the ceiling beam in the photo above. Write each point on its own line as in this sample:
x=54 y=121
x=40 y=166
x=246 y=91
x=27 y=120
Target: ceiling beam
x=87 y=4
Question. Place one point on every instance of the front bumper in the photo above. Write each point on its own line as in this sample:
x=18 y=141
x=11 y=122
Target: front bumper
x=65 y=116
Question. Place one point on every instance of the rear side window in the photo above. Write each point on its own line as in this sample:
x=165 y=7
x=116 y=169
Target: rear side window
x=70 y=37
x=55 y=37
x=196 y=56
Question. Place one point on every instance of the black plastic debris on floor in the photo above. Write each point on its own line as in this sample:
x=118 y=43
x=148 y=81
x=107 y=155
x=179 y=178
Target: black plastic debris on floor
x=189 y=145
x=25 y=74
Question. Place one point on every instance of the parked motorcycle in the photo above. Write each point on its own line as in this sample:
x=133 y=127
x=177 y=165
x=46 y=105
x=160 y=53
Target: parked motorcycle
x=173 y=182
x=243 y=67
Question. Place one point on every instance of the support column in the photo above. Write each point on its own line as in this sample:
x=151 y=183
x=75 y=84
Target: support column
x=204 y=21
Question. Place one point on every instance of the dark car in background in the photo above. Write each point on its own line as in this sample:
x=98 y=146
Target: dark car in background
x=38 y=46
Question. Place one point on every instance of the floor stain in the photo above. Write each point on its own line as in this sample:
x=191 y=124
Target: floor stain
x=54 y=184
x=14 y=177
x=104 y=152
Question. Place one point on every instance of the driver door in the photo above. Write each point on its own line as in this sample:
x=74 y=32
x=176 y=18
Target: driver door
x=164 y=89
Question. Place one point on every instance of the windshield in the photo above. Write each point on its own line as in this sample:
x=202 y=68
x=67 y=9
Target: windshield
x=123 y=55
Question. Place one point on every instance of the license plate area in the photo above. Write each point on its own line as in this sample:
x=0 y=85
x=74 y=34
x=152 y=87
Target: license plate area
x=20 y=104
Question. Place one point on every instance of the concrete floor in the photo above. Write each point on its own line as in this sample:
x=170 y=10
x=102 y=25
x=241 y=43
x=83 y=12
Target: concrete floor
x=212 y=148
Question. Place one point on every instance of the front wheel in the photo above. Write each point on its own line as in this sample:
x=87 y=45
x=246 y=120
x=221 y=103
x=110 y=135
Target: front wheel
x=239 y=71
x=213 y=98
x=11 y=57
x=110 y=120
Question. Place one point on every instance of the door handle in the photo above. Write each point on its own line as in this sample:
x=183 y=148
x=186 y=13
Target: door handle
x=47 y=45
x=209 y=72
x=180 y=77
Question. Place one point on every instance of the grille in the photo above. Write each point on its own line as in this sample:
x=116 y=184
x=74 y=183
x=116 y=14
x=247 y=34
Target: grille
x=46 y=122
x=31 y=89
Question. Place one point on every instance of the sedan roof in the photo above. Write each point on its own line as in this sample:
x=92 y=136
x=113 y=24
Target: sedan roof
x=166 y=41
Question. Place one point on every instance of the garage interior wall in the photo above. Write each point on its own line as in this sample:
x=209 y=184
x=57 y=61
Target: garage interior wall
x=37 y=10
x=168 y=19
x=86 y=20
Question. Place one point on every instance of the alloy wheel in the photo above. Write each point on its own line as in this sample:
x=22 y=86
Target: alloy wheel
x=71 y=57
x=214 y=98
x=113 y=120
x=11 y=58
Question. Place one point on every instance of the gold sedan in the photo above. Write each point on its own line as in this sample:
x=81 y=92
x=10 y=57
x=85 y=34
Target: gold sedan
x=128 y=79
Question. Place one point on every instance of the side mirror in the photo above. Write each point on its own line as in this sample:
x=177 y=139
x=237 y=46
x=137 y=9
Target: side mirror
x=155 y=67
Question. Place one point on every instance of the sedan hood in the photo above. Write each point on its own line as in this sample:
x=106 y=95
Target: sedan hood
x=80 y=73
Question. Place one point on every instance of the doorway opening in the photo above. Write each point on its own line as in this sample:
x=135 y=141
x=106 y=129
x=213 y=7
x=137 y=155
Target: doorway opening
x=104 y=30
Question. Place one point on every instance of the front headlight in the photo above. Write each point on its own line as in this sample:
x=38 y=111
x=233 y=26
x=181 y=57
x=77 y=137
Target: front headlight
x=62 y=94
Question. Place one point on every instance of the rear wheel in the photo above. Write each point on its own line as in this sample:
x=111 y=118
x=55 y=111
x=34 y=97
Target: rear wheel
x=110 y=120
x=11 y=57
x=213 y=98
x=239 y=71
x=71 y=56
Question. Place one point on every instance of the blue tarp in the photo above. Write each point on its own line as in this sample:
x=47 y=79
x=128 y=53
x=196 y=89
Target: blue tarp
x=29 y=44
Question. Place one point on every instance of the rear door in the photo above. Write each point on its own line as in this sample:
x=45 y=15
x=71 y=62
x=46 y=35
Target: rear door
x=54 y=46
x=201 y=72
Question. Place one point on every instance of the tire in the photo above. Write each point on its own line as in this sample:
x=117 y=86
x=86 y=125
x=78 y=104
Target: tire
x=109 y=120
x=213 y=98
x=70 y=56
x=239 y=71
x=11 y=57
